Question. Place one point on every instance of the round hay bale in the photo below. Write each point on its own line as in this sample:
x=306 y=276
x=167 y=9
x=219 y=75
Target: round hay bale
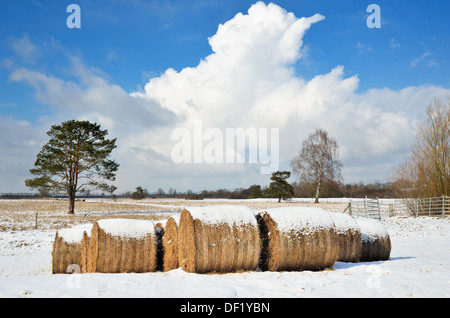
x=170 y=243
x=349 y=237
x=297 y=239
x=122 y=246
x=85 y=249
x=218 y=239
x=375 y=240
x=67 y=249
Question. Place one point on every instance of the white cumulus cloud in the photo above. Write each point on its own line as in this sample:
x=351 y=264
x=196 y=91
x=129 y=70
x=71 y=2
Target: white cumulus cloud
x=248 y=81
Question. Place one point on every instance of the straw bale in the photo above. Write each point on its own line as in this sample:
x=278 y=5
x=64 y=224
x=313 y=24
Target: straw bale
x=297 y=238
x=85 y=250
x=375 y=240
x=122 y=246
x=349 y=237
x=218 y=239
x=170 y=243
x=67 y=248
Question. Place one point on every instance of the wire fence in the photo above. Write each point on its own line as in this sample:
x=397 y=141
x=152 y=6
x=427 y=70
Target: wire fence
x=415 y=207
x=436 y=206
x=367 y=208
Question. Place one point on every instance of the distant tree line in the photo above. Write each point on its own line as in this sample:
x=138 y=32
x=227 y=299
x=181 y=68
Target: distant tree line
x=330 y=190
x=20 y=196
x=300 y=190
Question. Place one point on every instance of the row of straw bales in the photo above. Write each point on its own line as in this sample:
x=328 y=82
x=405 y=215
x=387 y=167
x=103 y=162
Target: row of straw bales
x=222 y=239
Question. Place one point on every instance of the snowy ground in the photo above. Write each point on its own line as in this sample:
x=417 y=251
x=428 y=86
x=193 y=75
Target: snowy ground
x=419 y=266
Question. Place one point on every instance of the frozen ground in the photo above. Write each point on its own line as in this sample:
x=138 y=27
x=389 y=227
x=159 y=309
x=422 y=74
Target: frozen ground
x=419 y=266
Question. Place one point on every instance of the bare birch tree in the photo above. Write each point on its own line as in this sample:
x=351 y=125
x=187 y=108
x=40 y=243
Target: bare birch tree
x=317 y=161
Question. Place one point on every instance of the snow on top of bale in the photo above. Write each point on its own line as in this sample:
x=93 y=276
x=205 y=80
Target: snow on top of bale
x=371 y=229
x=224 y=214
x=74 y=235
x=344 y=222
x=300 y=218
x=127 y=228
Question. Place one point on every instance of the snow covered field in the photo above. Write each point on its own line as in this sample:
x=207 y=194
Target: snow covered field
x=419 y=266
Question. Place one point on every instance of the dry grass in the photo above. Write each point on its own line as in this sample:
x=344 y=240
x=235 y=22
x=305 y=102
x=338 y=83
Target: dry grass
x=52 y=214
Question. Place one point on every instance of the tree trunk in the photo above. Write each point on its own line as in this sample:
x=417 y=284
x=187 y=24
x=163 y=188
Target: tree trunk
x=71 y=194
x=317 y=192
x=319 y=182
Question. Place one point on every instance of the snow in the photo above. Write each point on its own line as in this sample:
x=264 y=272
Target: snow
x=224 y=214
x=371 y=229
x=127 y=228
x=419 y=266
x=74 y=234
x=344 y=223
x=300 y=219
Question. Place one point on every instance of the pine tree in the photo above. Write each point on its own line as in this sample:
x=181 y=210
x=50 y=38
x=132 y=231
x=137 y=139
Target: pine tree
x=279 y=187
x=73 y=160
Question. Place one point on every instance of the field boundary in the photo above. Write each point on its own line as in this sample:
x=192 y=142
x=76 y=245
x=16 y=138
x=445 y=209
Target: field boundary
x=368 y=208
x=434 y=206
x=406 y=207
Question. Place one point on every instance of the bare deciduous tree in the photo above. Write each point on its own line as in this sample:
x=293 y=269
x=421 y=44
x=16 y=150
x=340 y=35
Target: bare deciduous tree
x=317 y=161
x=426 y=171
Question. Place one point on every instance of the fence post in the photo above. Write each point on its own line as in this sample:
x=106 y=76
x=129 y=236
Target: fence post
x=443 y=205
x=417 y=207
x=348 y=208
x=379 y=211
x=365 y=207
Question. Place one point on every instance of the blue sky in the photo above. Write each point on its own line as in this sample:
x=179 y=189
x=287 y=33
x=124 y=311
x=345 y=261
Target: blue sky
x=131 y=40
x=128 y=43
